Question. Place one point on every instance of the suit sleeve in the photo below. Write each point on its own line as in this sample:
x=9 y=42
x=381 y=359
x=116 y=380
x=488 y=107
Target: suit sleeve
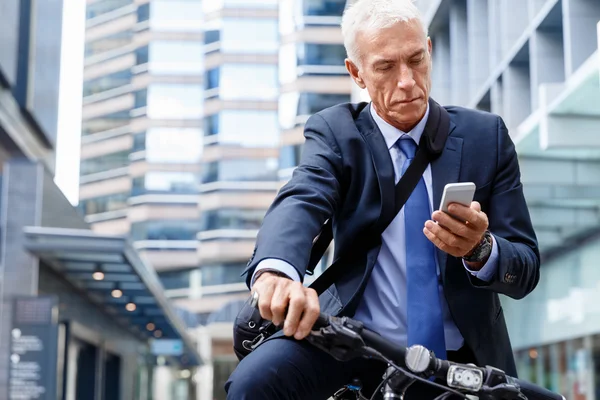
x=304 y=204
x=518 y=268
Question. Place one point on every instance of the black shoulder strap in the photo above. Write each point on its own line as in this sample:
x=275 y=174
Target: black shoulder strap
x=431 y=146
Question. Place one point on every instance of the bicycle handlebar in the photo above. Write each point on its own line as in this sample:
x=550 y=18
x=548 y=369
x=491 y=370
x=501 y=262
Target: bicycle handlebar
x=346 y=338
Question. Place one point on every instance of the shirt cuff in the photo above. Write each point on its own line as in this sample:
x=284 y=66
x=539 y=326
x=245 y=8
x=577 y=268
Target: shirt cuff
x=489 y=269
x=278 y=265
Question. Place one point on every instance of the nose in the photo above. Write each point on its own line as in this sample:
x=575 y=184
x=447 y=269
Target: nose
x=406 y=80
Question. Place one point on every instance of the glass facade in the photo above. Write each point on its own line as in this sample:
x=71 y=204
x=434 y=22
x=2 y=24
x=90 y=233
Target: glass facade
x=101 y=7
x=244 y=35
x=165 y=230
x=289 y=156
x=240 y=170
x=108 y=43
x=101 y=204
x=222 y=274
x=105 y=123
x=295 y=108
x=176 y=15
x=175 y=279
x=180 y=57
x=172 y=145
x=320 y=54
x=104 y=163
x=232 y=218
x=165 y=183
x=246 y=128
x=329 y=8
x=174 y=101
x=107 y=82
x=234 y=83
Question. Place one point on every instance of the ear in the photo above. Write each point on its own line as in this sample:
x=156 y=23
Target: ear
x=429 y=45
x=354 y=73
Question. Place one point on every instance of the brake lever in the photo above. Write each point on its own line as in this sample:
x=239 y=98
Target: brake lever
x=341 y=339
x=504 y=391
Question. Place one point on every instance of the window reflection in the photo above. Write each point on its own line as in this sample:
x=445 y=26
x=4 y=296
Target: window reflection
x=240 y=170
x=221 y=274
x=232 y=219
x=176 y=15
x=175 y=57
x=244 y=81
x=248 y=128
x=107 y=82
x=98 y=8
x=108 y=43
x=165 y=183
x=111 y=202
x=174 y=101
x=165 y=230
x=105 y=162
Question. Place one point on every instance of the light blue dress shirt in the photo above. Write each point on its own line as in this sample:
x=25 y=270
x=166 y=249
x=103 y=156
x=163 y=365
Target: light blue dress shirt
x=383 y=305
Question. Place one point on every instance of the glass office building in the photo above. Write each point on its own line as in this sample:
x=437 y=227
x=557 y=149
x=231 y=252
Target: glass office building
x=536 y=63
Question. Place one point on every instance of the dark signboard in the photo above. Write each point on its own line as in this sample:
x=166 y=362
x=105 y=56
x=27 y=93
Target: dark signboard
x=33 y=349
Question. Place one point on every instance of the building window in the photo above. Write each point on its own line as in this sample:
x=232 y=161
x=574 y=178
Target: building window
x=222 y=274
x=234 y=83
x=165 y=183
x=295 y=107
x=104 y=163
x=98 y=8
x=179 y=57
x=289 y=156
x=245 y=35
x=247 y=128
x=329 y=8
x=175 y=101
x=107 y=82
x=143 y=12
x=176 y=15
x=105 y=123
x=240 y=170
x=173 y=145
x=139 y=142
x=107 y=43
x=234 y=218
x=141 y=55
x=101 y=204
x=165 y=230
x=172 y=280
x=321 y=54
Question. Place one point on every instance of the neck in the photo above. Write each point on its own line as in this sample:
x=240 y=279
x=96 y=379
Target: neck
x=404 y=127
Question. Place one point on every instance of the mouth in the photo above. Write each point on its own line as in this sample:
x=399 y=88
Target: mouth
x=407 y=101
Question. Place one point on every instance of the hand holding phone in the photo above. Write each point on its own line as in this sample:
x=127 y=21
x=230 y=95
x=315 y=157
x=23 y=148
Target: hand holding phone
x=461 y=193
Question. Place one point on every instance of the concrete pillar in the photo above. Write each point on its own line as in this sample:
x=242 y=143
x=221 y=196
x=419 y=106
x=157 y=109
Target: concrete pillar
x=440 y=78
x=22 y=189
x=517 y=94
x=479 y=51
x=547 y=61
x=579 y=24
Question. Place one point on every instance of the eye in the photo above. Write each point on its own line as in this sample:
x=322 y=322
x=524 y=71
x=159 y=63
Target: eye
x=418 y=60
x=384 y=68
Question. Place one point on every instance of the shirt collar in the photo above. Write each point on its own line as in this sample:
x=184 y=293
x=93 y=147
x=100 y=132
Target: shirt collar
x=391 y=134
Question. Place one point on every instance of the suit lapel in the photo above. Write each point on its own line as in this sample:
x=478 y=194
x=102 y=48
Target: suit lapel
x=384 y=168
x=444 y=170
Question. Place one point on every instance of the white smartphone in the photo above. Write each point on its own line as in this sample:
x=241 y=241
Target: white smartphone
x=461 y=193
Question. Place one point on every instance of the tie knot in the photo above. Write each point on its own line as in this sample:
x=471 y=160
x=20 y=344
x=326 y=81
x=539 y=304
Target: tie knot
x=408 y=146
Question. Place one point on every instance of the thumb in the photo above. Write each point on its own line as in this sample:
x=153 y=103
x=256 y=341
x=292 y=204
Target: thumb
x=476 y=206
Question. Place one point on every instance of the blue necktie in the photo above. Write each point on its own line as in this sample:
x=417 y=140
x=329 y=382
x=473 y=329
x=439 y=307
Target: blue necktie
x=424 y=314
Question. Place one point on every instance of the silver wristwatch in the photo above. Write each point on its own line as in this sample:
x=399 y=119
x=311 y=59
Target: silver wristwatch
x=482 y=250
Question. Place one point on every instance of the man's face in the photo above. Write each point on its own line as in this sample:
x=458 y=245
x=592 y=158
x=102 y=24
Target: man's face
x=396 y=70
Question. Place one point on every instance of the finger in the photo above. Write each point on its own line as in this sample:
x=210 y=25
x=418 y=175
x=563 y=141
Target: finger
x=459 y=228
x=310 y=314
x=445 y=240
x=468 y=214
x=265 y=293
x=476 y=206
x=295 y=309
x=279 y=303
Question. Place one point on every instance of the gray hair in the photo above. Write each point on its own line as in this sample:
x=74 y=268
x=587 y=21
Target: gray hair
x=374 y=15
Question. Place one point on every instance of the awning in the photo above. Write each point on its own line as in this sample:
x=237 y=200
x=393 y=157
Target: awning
x=109 y=271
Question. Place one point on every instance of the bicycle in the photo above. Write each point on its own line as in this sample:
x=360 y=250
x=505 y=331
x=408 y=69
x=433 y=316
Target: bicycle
x=345 y=339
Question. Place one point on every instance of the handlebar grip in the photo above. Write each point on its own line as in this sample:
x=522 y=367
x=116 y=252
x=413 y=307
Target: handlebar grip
x=322 y=321
x=535 y=392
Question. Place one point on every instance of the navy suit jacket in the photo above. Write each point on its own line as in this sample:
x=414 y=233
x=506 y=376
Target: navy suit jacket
x=346 y=173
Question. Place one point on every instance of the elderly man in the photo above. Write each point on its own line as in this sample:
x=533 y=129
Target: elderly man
x=352 y=156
